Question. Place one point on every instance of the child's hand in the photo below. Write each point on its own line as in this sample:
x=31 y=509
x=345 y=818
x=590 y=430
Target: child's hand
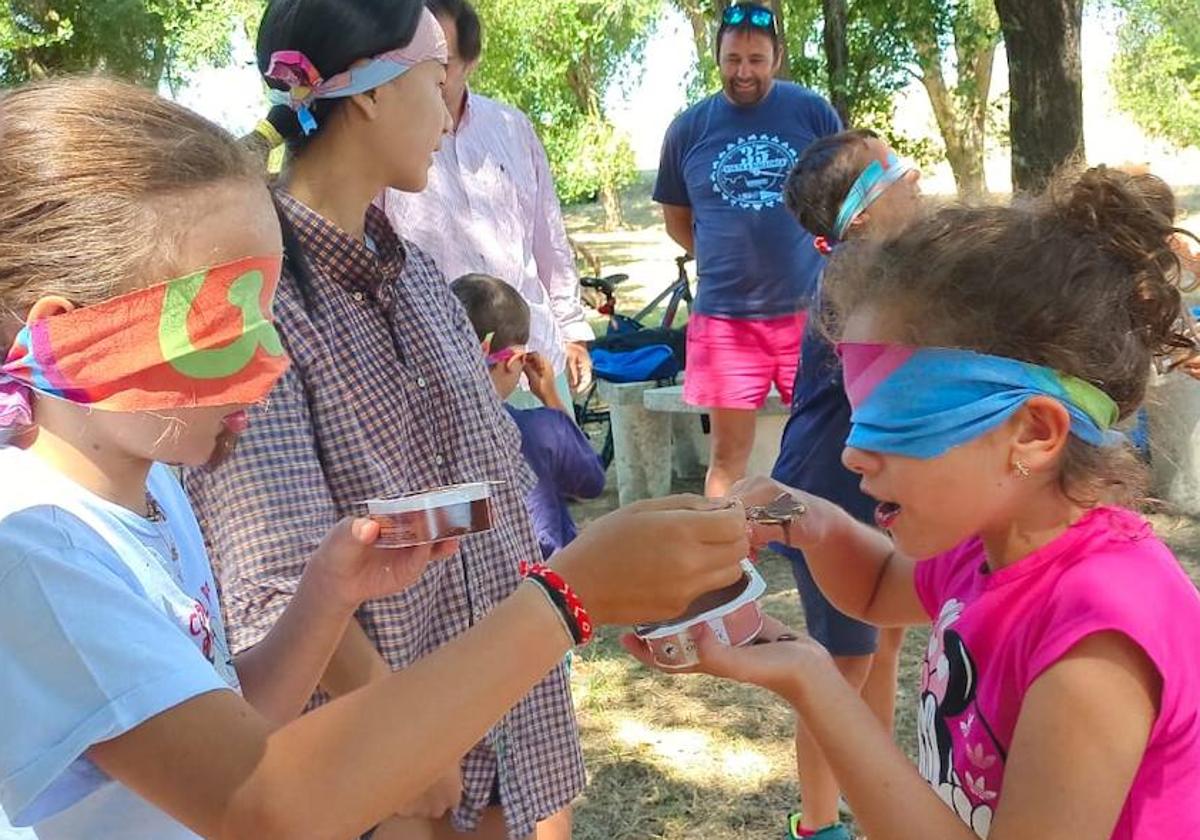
x=352 y=570
x=776 y=660
x=442 y=797
x=540 y=374
x=760 y=491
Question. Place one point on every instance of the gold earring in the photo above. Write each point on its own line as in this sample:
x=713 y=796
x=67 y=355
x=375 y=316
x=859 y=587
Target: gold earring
x=1020 y=468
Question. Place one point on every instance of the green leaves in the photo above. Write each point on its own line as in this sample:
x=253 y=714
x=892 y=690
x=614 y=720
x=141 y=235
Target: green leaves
x=554 y=60
x=145 y=41
x=948 y=45
x=1157 y=70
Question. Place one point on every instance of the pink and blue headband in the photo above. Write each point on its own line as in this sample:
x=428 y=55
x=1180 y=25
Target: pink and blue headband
x=302 y=83
x=924 y=401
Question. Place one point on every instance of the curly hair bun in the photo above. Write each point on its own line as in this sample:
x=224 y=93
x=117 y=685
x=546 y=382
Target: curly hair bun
x=1128 y=224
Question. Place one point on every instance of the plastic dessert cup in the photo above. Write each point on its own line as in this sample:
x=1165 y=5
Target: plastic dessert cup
x=432 y=515
x=731 y=613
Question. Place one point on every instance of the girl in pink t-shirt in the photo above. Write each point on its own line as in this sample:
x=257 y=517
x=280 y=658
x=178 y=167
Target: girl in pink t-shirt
x=988 y=353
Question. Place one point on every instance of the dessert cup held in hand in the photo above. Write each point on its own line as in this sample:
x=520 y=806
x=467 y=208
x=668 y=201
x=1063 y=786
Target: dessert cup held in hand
x=731 y=613
x=432 y=515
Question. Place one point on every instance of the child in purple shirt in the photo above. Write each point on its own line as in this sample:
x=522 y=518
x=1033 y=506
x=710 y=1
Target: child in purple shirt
x=988 y=354
x=559 y=454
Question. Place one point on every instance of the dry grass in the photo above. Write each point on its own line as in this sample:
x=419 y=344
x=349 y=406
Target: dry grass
x=675 y=757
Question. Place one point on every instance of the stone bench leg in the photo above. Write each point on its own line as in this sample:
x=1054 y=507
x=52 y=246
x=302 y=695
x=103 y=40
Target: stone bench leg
x=768 y=432
x=641 y=450
x=1174 y=408
x=690 y=447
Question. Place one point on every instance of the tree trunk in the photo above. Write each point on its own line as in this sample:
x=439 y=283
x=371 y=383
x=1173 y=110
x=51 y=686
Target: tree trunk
x=966 y=162
x=961 y=113
x=610 y=200
x=1045 y=76
x=983 y=62
x=703 y=16
x=580 y=80
x=785 y=68
x=701 y=33
x=837 y=56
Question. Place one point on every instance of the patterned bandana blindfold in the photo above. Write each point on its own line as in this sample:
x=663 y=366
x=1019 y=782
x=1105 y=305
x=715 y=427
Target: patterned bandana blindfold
x=922 y=402
x=198 y=341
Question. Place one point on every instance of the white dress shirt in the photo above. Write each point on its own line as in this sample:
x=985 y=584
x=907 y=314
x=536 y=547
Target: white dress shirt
x=490 y=207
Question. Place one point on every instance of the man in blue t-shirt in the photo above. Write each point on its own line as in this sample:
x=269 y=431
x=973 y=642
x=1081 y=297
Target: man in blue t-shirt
x=720 y=184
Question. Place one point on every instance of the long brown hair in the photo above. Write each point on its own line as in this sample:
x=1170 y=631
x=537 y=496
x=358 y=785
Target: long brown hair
x=87 y=166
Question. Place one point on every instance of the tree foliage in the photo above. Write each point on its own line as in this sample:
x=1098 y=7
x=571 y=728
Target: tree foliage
x=873 y=49
x=1157 y=70
x=951 y=47
x=145 y=41
x=554 y=59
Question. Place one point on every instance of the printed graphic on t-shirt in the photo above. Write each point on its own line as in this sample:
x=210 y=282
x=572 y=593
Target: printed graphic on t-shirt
x=750 y=173
x=957 y=753
x=198 y=615
x=200 y=624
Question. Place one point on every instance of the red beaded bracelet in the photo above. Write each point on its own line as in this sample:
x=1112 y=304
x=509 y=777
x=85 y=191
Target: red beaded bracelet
x=564 y=598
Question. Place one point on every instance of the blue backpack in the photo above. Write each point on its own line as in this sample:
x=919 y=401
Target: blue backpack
x=642 y=364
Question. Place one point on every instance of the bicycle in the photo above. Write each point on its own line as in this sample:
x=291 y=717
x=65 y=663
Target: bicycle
x=629 y=332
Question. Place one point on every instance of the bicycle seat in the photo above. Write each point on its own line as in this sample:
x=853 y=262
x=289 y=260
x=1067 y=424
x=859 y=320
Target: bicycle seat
x=606 y=284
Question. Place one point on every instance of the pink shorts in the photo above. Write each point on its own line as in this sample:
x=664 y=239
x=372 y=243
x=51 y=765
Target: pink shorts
x=732 y=362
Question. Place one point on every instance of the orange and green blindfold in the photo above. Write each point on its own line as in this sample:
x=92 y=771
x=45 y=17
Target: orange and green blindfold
x=203 y=340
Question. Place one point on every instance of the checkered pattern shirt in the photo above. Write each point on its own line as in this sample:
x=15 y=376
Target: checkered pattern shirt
x=387 y=393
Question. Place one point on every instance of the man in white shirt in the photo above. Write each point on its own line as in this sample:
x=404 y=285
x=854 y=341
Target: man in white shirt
x=490 y=207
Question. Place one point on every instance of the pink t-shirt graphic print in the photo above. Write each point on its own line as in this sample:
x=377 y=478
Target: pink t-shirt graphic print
x=995 y=633
x=957 y=753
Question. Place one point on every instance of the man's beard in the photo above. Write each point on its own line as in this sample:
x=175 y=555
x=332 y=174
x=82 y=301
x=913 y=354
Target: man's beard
x=747 y=95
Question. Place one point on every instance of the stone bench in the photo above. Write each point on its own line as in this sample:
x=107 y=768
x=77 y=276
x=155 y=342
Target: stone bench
x=657 y=436
x=641 y=441
x=1173 y=403
x=768 y=430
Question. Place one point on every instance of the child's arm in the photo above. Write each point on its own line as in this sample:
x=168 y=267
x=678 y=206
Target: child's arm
x=542 y=385
x=280 y=673
x=1080 y=739
x=224 y=771
x=579 y=471
x=283 y=667
x=1082 y=733
x=856 y=566
x=355 y=663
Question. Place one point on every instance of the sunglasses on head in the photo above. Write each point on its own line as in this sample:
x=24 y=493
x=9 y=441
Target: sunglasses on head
x=739 y=13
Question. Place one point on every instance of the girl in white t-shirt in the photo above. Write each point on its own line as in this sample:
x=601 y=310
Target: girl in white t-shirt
x=122 y=713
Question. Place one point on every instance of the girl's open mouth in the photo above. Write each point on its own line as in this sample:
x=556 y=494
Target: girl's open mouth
x=236 y=423
x=886 y=514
